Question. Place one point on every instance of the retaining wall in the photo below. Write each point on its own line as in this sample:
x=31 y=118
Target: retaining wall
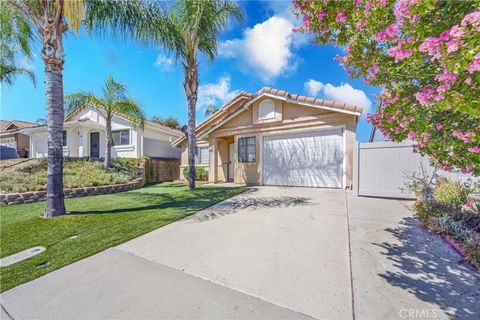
x=34 y=196
x=159 y=170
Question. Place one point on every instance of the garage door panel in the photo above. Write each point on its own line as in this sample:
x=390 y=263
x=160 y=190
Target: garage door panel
x=313 y=159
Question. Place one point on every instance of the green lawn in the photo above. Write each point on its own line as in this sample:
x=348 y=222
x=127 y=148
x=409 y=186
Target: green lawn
x=99 y=222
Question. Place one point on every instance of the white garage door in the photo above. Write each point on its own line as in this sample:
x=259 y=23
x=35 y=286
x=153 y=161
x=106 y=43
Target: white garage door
x=9 y=143
x=313 y=159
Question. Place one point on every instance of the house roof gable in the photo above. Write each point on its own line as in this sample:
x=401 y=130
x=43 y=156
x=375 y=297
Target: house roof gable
x=16 y=125
x=226 y=112
x=131 y=119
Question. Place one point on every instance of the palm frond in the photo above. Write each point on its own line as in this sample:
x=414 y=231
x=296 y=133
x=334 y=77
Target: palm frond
x=74 y=10
x=15 y=43
x=131 y=108
x=8 y=73
x=80 y=100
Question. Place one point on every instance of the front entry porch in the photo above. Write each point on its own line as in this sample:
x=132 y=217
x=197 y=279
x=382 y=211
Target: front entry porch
x=222 y=159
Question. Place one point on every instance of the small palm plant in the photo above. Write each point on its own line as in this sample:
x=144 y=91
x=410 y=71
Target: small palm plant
x=114 y=101
x=193 y=27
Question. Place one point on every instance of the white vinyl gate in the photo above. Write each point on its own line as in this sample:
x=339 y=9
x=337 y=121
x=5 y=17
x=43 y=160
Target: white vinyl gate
x=308 y=159
x=381 y=168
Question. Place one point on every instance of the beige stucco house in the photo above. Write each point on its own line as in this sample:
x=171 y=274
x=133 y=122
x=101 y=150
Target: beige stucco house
x=13 y=142
x=273 y=137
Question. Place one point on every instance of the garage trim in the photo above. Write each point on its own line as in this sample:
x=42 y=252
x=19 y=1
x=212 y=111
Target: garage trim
x=310 y=130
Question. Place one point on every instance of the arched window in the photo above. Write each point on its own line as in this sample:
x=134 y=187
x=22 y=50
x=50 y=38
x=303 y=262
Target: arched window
x=266 y=110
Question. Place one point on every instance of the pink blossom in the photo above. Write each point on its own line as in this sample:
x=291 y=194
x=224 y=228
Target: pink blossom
x=457 y=133
x=361 y=25
x=469 y=204
x=368 y=8
x=467 y=170
x=392 y=30
x=475 y=64
x=468 y=80
x=425 y=96
x=443 y=88
x=321 y=14
x=475 y=149
x=447 y=77
x=438 y=126
x=341 y=17
x=472 y=18
x=412 y=135
x=398 y=53
x=402 y=9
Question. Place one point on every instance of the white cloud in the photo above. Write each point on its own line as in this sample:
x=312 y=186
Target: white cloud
x=266 y=49
x=313 y=87
x=215 y=93
x=343 y=93
x=164 y=63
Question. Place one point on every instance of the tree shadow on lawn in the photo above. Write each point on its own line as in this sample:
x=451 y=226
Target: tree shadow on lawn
x=427 y=267
x=157 y=201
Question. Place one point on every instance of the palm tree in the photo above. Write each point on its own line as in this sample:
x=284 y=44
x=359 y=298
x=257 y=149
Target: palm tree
x=192 y=27
x=210 y=110
x=51 y=19
x=15 y=40
x=114 y=101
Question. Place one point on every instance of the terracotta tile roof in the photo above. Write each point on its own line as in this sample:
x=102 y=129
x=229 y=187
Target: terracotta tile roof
x=3 y=124
x=312 y=100
x=17 y=123
x=226 y=110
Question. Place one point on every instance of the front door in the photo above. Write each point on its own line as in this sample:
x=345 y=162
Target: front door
x=95 y=145
x=231 y=157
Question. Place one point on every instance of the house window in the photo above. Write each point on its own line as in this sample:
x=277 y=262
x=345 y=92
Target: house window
x=247 y=149
x=266 y=110
x=64 y=138
x=121 y=137
x=202 y=156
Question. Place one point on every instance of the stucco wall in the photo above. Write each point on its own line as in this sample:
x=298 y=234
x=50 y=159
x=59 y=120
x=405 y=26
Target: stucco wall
x=184 y=157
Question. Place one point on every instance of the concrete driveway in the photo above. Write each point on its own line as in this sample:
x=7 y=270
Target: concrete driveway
x=276 y=253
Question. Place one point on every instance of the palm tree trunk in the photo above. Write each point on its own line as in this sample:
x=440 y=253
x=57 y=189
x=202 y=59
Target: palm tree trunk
x=54 y=86
x=52 y=55
x=191 y=90
x=108 y=142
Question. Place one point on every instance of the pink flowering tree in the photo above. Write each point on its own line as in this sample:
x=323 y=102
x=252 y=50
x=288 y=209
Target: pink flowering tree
x=425 y=55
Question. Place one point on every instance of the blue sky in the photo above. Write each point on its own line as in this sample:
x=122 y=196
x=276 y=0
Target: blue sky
x=260 y=51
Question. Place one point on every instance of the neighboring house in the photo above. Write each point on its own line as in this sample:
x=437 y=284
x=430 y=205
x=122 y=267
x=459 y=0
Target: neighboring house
x=273 y=137
x=13 y=142
x=84 y=136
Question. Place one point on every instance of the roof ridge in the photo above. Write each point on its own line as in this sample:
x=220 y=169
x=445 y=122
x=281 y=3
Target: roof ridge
x=312 y=100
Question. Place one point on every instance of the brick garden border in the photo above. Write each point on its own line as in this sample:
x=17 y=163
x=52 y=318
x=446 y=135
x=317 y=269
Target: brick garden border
x=35 y=196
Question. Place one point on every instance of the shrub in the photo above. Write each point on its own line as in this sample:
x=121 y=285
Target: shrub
x=201 y=174
x=454 y=222
x=77 y=172
x=452 y=193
